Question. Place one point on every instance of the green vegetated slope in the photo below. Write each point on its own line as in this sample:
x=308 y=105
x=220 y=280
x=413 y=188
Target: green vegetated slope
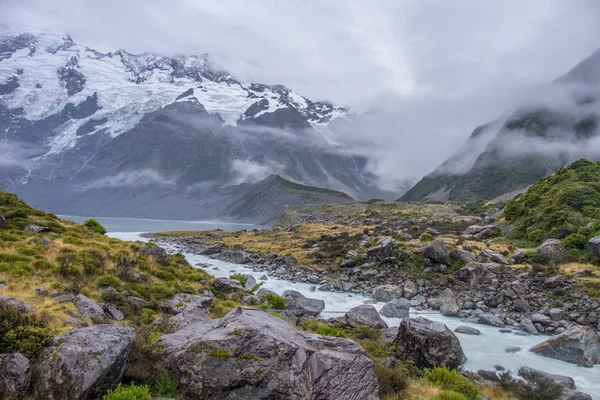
x=564 y=205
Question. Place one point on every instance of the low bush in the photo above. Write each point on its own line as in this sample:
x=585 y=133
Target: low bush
x=452 y=380
x=392 y=380
x=241 y=278
x=131 y=392
x=95 y=226
x=109 y=280
x=427 y=237
x=276 y=301
x=166 y=386
x=449 y=395
x=22 y=332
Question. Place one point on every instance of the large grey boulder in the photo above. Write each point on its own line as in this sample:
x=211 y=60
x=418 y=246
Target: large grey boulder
x=300 y=305
x=188 y=309
x=410 y=290
x=436 y=251
x=227 y=285
x=19 y=305
x=83 y=364
x=363 y=315
x=577 y=345
x=88 y=308
x=429 y=344
x=552 y=251
x=159 y=254
x=594 y=247
x=467 y=330
x=14 y=375
x=212 y=249
x=448 y=304
x=461 y=255
x=384 y=248
x=249 y=354
x=387 y=293
x=526 y=325
x=397 y=308
x=490 y=319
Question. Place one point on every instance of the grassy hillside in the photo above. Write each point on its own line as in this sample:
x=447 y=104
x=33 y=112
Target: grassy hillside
x=564 y=205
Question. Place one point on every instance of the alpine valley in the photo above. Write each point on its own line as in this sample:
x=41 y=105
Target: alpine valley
x=120 y=134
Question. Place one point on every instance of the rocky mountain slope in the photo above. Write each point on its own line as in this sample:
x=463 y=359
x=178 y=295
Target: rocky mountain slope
x=76 y=120
x=556 y=126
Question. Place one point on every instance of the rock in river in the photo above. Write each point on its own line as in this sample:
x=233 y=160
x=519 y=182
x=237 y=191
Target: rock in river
x=249 y=354
x=429 y=344
x=578 y=345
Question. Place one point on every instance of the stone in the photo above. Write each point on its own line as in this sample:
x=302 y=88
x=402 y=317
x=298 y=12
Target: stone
x=410 y=290
x=19 y=305
x=385 y=293
x=520 y=256
x=88 y=308
x=429 y=344
x=565 y=381
x=384 y=248
x=41 y=290
x=265 y=358
x=490 y=319
x=35 y=228
x=521 y=305
x=228 y=285
x=467 y=330
x=159 y=254
x=46 y=241
x=552 y=251
x=436 y=251
x=448 y=304
x=397 y=308
x=526 y=325
x=594 y=247
x=183 y=301
x=495 y=257
x=418 y=300
x=212 y=249
x=512 y=350
x=389 y=334
x=14 y=375
x=63 y=298
x=301 y=306
x=364 y=315
x=461 y=255
x=112 y=312
x=577 y=345
x=475 y=273
x=477 y=229
x=83 y=363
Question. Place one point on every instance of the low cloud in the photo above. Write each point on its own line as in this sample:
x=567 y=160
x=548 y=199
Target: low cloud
x=130 y=179
x=247 y=171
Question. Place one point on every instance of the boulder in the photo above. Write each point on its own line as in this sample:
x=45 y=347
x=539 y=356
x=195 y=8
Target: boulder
x=410 y=290
x=448 y=305
x=301 y=306
x=250 y=281
x=397 y=308
x=249 y=354
x=385 y=293
x=363 y=315
x=467 y=330
x=88 y=308
x=21 y=306
x=520 y=256
x=490 y=319
x=494 y=257
x=461 y=255
x=227 y=285
x=475 y=273
x=234 y=256
x=14 y=375
x=186 y=302
x=526 y=325
x=389 y=334
x=212 y=249
x=45 y=241
x=429 y=344
x=594 y=247
x=552 y=251
x=565 y=381
x=113 y=312
x=477 y=229
x=384 y=248
x=436 y=251
x=35 y=228
x=83 y=363
x=577 y=345
x=159 y=254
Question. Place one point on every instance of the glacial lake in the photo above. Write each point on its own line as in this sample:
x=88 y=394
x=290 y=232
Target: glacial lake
x=483 y=351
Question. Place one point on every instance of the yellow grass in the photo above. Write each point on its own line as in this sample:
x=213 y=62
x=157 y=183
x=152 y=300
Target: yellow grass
x=571 y=268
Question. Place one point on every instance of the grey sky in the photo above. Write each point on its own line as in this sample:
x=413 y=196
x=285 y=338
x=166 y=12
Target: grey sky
x=433 y=69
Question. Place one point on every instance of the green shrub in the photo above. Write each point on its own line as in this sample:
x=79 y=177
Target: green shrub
x=276 y=301
x=21 y=212
x=22 y=332
x=131 y=392
x=328 y=330
x=366 y=332
x=449 y=395
x=241 y=278
x=66 y=259
x=427 y=237
x=166 y=386
x=392 y=380
x=452 y=380
x=109 y=280
x=575 y=241
x=95 y=226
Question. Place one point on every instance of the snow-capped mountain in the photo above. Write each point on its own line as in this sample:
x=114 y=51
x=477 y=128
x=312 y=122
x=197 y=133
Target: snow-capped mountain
x=74 y=118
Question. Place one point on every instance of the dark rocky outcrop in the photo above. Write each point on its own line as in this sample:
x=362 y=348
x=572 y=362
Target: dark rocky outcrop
x=578 y=345
x=83 y=364
x=429 y=344
x=249 y=354
x=14 y=375
x=302 y=306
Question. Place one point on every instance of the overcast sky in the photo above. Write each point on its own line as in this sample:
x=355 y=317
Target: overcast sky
x=438 y=67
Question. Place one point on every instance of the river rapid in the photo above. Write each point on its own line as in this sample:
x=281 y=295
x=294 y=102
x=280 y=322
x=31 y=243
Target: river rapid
x=483 y=351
